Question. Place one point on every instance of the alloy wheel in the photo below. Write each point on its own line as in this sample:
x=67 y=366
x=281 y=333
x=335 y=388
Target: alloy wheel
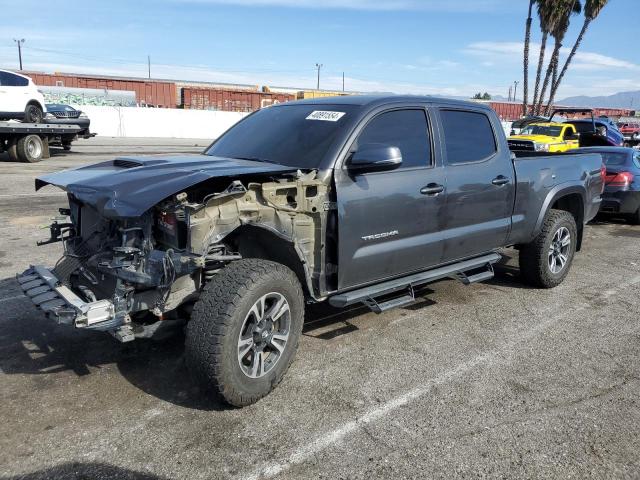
x=264 y=335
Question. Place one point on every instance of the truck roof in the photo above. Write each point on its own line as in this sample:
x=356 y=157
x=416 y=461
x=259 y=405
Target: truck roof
x=375 y=100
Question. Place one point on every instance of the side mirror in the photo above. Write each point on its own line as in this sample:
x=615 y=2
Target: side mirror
x=373 y=157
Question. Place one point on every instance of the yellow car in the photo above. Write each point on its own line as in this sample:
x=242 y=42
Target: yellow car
x=546 y=137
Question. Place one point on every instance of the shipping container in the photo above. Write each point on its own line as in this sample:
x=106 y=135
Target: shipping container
x=157 y=93
x=230 y=100
x=304 y=94
x=509 y=111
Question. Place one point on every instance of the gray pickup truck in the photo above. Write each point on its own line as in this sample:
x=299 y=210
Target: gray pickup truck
x=347 y=200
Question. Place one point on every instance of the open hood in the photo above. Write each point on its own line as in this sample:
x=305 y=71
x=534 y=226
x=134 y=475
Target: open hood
x=129 y=186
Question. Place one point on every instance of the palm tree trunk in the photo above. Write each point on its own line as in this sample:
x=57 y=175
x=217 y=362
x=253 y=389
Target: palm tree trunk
x=556 y=84
x=527 y=41
x=554 y=79
x=547 y=77
x=543 y=46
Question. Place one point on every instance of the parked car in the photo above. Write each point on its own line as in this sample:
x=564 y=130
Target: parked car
x=59 y=114
x=630 y=131
x=606 y=132
x=545 y=137
x=20 y=98
x=345 y=200
x=622 y=181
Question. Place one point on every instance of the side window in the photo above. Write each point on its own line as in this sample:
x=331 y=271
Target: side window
x=10 y=80
x=636 y=159
x=406 y=129
x=468 y=136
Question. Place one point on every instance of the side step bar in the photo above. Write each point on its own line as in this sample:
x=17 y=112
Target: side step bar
x=367 y=295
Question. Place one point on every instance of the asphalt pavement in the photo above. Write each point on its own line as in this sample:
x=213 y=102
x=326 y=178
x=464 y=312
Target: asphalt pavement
x=491 y=380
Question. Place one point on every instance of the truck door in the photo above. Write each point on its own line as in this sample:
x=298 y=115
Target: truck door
x=389 y=220
x=480 y=183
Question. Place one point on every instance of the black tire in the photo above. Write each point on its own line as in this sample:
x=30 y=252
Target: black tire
x=216 y=328
x=535 y=257
x=29 y=149
x=66 y=146
x=635 y=218
x=33 y=113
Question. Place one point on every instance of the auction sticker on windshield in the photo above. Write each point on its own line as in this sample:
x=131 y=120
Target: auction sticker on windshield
x=326 y=116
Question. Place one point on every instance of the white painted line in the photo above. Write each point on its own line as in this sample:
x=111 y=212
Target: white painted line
x=309 y=450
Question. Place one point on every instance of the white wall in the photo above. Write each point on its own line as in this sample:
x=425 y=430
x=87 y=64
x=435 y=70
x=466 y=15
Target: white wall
x=158 y=122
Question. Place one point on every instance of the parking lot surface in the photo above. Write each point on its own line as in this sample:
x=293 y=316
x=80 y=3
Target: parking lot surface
x=491 y=380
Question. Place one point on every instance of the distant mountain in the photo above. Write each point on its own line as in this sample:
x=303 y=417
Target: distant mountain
x=617 y=100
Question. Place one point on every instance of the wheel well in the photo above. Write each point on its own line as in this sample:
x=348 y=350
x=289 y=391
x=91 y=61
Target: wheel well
x=255 y=242
x=36 y=103
x=573 y=204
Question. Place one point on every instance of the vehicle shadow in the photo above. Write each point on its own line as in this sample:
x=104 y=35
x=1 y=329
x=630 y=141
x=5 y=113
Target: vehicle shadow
x=32 y=345
x=85 y=471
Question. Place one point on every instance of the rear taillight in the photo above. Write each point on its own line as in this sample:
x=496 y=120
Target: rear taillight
x=620 y=179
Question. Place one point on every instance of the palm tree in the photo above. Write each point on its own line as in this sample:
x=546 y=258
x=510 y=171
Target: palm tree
x=527 y=41
x=544 y=14
x=592 y=9
x=561 y=11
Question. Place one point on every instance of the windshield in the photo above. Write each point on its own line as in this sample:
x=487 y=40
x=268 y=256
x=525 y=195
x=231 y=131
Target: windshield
x=293 y=135
x=542 y=130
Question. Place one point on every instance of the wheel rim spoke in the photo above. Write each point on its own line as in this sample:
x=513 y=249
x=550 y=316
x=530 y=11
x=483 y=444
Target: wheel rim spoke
x=244 y=345
x=257 y=364
x=278 y=341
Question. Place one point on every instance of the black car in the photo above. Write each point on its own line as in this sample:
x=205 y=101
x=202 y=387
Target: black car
x=60 y=114
x=622 y=181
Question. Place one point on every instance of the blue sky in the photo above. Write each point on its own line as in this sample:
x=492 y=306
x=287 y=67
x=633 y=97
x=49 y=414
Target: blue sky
x=455 y=47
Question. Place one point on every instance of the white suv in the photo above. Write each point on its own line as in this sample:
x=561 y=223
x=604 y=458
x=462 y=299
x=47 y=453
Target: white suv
x=20 y=98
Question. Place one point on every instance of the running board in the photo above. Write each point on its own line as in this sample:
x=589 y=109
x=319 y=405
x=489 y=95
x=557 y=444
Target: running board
x=368 y=295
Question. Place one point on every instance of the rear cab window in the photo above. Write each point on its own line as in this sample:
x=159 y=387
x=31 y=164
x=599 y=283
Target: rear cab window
x=468 y=136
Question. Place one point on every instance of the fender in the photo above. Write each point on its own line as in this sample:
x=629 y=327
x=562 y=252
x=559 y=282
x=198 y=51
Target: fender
x=557 y=192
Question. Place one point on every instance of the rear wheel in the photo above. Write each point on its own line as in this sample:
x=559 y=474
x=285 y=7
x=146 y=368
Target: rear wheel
x=545 y=262
x=28 y=149
x=33 y=114
x=635 y=218
x=244 y=330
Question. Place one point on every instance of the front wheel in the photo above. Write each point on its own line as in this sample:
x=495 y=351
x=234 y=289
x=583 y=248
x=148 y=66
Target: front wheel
x=244 y=330
x=545 y=262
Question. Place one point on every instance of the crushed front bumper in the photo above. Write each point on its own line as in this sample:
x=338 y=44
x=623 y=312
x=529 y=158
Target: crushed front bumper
x=61 y=304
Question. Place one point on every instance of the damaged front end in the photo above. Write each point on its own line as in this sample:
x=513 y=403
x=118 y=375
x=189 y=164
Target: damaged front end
x=130 y=276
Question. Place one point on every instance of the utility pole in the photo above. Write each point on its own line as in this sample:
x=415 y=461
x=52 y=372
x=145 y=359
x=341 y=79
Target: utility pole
x=149 y=64
x=19 y=42
x=343 y=82
x=318 y=66
x=515 y=89
x=509 y=97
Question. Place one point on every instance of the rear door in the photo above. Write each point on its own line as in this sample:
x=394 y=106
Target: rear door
x=480 y=183
x=388 y=225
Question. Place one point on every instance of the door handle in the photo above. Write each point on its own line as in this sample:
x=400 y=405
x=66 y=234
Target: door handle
x=432 y=189
x=500 y=180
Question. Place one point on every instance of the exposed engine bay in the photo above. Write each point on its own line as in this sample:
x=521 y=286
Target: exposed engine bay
x=132 y=275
